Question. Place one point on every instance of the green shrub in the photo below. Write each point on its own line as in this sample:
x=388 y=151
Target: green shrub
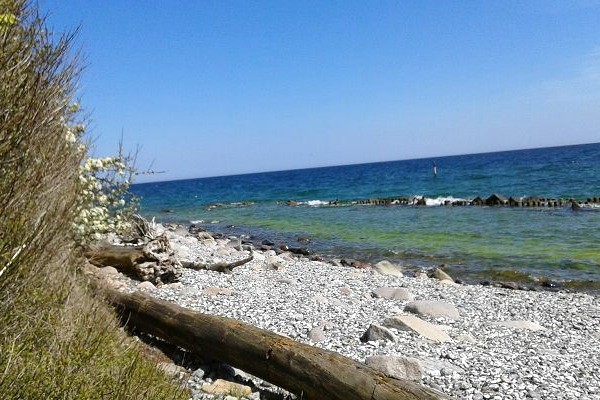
x=57 y=340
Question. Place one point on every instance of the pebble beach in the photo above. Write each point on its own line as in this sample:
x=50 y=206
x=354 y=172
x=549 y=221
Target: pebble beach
x=467 y=341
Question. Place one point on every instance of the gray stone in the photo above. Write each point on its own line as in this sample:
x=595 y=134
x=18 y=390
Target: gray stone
x=433 y=309
x=377 y=332
x=519 y=324
x=316 y=334
x=108 y=271
x=274 y=263
x=214 y=291
x=387 y=268
x=417 y=325
x=223 y=387
x=393 y=293
x=198 y=374
x=345 y=291
x=397 y=367
x=440 y=275
x=146 y=286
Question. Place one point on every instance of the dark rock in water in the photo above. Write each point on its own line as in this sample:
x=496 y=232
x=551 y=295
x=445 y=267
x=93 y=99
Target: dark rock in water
x=167 y=211
x=193 y=229
x=485 y=283
x=264 y=247
x=575 y=206
x=347 y=263
x=514 y=202
x=284 y=247
x=422 y=201
x=550 y=284
x=509 y=285
x=495 y=200
x=316 y=258
x=268 y=242
x=300 y=250
x=477 y=201
x=303 y=239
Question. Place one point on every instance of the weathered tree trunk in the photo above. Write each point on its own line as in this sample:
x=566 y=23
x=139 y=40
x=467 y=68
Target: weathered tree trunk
x=305 y=370
x=123 y=258
x=219 y=266
x=155 y=261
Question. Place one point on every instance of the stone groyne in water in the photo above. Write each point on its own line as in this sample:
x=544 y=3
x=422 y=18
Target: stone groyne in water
x=494 y=200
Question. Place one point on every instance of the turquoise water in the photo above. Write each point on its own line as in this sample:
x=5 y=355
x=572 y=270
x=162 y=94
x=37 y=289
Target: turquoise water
x=477 y=243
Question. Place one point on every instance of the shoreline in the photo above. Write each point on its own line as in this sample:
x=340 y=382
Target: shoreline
x=508 y=278
x=502 y=344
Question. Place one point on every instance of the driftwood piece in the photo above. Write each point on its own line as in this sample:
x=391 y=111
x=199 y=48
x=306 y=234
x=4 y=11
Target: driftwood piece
x=154 y=261
x=123 y=258
x=308 y=371
x=219 y=266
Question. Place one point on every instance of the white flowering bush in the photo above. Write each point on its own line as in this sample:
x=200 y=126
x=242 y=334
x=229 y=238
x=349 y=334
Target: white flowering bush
x=105 y=203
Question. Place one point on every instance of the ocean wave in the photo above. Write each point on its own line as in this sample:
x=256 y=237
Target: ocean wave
x=440 y=201
x=316 y=203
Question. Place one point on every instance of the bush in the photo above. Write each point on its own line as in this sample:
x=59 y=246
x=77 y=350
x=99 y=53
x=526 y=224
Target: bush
x=56 y=339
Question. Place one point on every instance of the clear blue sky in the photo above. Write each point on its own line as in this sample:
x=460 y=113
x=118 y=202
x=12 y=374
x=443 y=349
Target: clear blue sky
x=220 y=87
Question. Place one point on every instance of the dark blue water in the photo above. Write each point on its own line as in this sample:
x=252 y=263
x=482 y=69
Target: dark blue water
x=476 y=242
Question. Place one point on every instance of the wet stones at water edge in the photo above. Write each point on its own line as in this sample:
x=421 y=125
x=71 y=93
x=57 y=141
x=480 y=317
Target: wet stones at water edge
x=387 y=268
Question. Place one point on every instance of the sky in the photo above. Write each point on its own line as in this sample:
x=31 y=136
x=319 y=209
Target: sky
x=211 y=88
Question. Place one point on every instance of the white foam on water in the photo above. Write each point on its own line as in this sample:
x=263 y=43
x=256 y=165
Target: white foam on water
x=197 y=221
x=316 y=203
x=439 y=201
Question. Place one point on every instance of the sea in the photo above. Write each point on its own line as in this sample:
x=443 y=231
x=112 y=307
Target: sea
x=321 y=209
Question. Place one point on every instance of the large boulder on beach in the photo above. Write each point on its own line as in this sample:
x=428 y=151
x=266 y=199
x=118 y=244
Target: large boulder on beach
x=377 y=332
x=417 y=325
x=433 y=309
x=393 y=293
x=397 y=367
x=387 y=268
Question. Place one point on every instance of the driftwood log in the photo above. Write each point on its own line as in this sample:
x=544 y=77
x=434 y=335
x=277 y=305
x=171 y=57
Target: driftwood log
x=127 y=260
x=154 y=261
x=123 y=258
x=308 y=371
x=221 y=266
